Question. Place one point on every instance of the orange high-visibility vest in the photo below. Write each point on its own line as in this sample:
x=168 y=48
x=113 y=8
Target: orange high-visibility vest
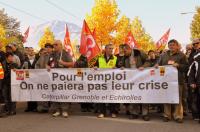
x=1 y=72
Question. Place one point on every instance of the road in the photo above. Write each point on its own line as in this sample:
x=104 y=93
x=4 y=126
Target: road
x=87 y=122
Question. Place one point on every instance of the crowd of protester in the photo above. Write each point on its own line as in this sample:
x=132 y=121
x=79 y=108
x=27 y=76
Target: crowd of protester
x=54 y=56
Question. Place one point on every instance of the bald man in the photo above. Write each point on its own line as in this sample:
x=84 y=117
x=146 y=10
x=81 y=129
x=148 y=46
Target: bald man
x=60 y=59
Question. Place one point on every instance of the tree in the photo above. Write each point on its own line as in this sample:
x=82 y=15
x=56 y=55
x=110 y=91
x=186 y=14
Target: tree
x=48 y=37
x=2 y=37
x=103 y=19
x=143 y=39
x=11 y=28
x=195 y=25
x=122 y=29
x=110 y=29
x=2 y=34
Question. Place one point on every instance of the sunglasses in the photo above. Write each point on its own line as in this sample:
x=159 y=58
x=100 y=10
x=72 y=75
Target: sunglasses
x=48 y=47
x=195 y=43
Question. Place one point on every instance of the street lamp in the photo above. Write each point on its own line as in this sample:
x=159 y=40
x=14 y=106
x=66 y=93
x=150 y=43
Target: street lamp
x=185 y=13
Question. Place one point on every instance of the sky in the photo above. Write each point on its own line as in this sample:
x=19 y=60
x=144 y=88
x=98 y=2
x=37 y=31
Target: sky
x=157 y=16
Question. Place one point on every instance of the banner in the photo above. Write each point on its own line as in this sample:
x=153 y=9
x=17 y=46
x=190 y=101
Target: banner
x=101 y=85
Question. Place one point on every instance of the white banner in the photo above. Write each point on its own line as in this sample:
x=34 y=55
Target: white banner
x=102 y=85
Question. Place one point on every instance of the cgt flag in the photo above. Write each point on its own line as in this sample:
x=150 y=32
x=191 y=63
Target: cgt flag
x=130 y=40
x=94 y=33
x=160 y=45
x=67 y=43
x=26 y=35
x=95 y=37
x=88 y=45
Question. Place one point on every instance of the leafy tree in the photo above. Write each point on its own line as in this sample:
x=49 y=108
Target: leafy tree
x=103 y=19
x=195 y=25
x=122 y=29
x=143 y=39
x=48 y=37
x=10 y=27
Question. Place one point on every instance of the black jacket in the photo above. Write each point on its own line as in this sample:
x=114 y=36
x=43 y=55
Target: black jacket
x=31 y=66
x=7 y=70
x=191 y=56
x=194 y=70
x=81 y=62
x=120 y=61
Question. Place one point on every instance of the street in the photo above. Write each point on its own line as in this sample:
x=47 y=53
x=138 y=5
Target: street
x=87 y=122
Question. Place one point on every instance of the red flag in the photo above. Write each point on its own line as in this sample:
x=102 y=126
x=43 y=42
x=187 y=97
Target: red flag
x=94 y=33
x=67 y=42
x=26 y=35
x=130 y=40
x=88 y=45
x=163 y=40
x=95 y=37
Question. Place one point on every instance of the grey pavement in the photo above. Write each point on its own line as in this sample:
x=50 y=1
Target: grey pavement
x=87 y=122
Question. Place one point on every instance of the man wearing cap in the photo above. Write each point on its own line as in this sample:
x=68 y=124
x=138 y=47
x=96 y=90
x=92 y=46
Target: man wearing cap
x=193 y=79
x=178 y=60
x=44 y=56
x=17 y=52
x=60 y=59
x=8 y=64
x=16 y=58
x=194 y=50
